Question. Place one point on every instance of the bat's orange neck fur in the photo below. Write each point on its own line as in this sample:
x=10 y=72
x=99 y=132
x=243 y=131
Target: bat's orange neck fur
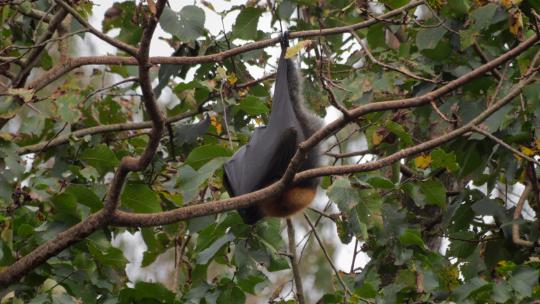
x=290 y=202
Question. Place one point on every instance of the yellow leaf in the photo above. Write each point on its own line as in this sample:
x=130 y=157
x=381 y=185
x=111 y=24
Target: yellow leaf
x=537 y=144
x=510 y=3
x=243 y=92
x=515 y=20
x=216 y=124
x=222 y=73
x=232 y=79
x=6 y=136
x=152 y=7
x=527 y=151
x=423 y=161
x=293 y=50
x=376 y=138
x=25 y=94
x=208 y=5
x=481 y=2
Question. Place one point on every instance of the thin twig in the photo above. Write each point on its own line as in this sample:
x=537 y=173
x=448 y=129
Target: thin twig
x=351 y=154
x=387 y=66
x=355 y=252
x=328 y=258
x=132 y=79
x=517 y=215
x=225 y=120
x=505 y=145
x=133 y=51
x=294 y=264
x=441 y=114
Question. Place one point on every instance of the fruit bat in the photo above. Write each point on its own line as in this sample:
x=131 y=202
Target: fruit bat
x=268 y=153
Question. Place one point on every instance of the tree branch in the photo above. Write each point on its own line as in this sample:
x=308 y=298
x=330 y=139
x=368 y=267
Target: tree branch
x=116 y=43
x=167 y=217
x=101 y=218
x=328 y=258
x=34 y=55
x=505 y=145
x=517 y=214
x=62 y=69
x=294 y=263
x=128 y=126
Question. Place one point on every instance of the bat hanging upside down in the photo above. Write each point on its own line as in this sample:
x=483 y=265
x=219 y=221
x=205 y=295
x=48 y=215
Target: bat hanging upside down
x=266 y=156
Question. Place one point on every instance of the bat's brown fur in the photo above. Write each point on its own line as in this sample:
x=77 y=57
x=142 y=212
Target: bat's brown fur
x=289 y=203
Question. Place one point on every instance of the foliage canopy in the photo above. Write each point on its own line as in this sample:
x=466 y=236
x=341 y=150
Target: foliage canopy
x=443 y=96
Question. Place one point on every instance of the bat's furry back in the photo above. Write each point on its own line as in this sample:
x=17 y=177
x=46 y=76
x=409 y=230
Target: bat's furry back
x=309 y=122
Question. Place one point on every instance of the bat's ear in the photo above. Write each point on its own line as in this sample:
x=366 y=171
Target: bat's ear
x=284 y=40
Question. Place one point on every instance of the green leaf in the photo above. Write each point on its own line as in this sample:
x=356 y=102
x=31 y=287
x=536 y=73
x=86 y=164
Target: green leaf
x=8 y=107
x=100 y=157
x=428 y=38
x=140 y=198
x=459 y=248
x=411 y=237
x=501 y=292
x=66 y=207
x=187 y=25
x=253 y=106
x=434 y=192
x=109 y=256
x=144 y=292
x=460 y=7
x=68 y=108
x=231 y=295
x=375 y=36
x=278 y=263
x=187 y=134
x=190 y=180
x=342 y=193
x=413 y=191
x=483 y=16
x=523 y=281
x=395 y=3
x=463 y=292
x=203 y=154
x=204 y=256
x=467 y=38
x=85 y=196
x=380 y=182
x=491 y=207
x=285 y=10
x=399 y=131
x=441 y=159
x=246 y=23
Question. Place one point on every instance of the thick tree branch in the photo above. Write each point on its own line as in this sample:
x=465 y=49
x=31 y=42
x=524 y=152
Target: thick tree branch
x=109 y=215
x=63 y=68
x=101 y=218
x=425 y=146
x=141 y=220
x=128 y=126
x=393 y=105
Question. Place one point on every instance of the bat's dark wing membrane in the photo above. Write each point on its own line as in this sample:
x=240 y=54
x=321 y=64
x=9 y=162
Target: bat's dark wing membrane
x=266 y=156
